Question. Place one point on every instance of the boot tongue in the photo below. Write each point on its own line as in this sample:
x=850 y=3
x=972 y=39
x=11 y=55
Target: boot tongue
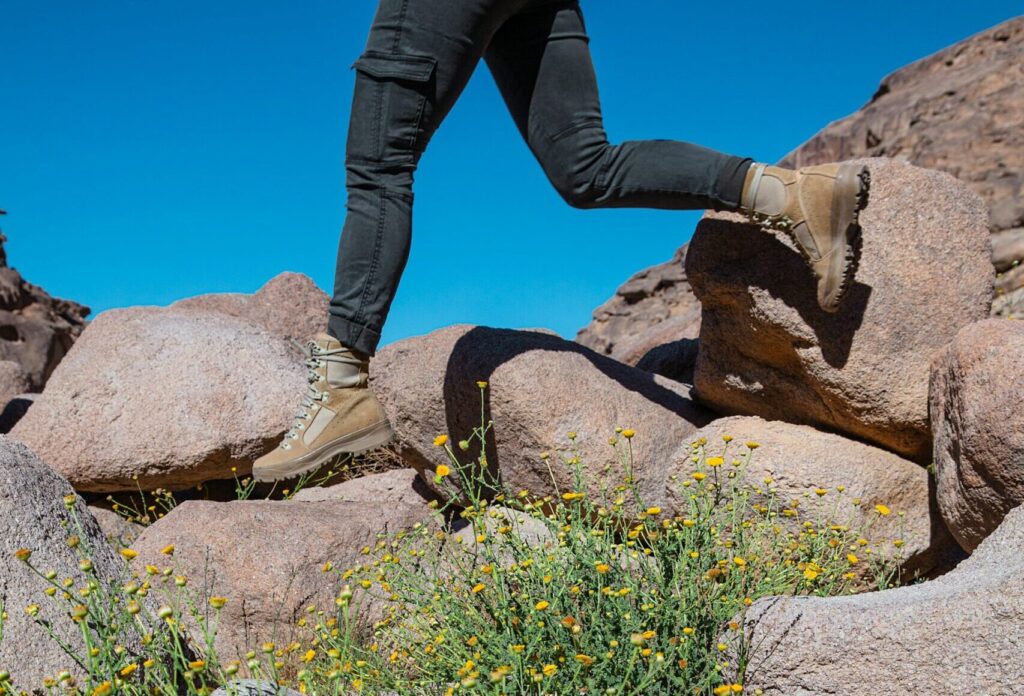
x=327 y=341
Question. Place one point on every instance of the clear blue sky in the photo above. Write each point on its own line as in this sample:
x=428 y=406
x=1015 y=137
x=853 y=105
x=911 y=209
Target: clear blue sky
x=155 y=150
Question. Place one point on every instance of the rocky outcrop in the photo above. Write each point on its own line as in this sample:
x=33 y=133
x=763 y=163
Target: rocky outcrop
x=36 y=330
x=801 y=460
x=399 y=486
x=961 y=111
x=539 y=389
x=767 y=349
x=977 y=410
x=267 y=558
x=33 y=516
x=164 y=397
x=290 y=305
x=13 y=381
x=959 y=634
x=653 y=307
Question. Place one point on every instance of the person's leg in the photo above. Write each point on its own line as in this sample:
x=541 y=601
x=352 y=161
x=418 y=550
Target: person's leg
x=541 y=61
x=419 y=57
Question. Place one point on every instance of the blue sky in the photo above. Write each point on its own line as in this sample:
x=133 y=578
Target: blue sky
x=155 y=150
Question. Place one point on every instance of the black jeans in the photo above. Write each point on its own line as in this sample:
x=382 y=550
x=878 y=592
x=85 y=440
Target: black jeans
x=419 y=57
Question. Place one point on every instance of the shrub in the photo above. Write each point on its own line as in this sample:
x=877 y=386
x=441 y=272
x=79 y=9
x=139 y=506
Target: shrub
x=581 y=592
x=587 y=590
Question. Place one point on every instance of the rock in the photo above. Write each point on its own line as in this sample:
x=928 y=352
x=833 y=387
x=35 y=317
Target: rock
x=768 y=350
x=252 y=687
x=13 y=381
x=959 y=634
x=290 y=305
x=960 y=111
x=156 y=397
x=118 y=531
x=267 y=558
x=1010 y=305
x=1007 y=248
x=36 y=330
x=539 y=388
x=976 y=397
x=674 y=360
x=1010 y=280
x=526 y=527
x=400 y=486
x=15 y=410
x=33 y=516
x=653 y=307
x=800 y=459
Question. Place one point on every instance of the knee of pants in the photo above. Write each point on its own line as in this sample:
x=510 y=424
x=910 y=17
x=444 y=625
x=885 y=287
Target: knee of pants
x=392 y=104
x=575 y=166
x=394 y=176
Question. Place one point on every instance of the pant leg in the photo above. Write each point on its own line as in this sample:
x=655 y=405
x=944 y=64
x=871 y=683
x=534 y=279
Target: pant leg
x=541 y=61
x=419 y=56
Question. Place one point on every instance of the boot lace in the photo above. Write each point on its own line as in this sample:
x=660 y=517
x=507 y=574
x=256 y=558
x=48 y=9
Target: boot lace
x=316 y=357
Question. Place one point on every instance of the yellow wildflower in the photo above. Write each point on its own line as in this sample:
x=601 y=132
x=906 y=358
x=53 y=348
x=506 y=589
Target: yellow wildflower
x=440 y=440
x=442 y=470
x=882 y=510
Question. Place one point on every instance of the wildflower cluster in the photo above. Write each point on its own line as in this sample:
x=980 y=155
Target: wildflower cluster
x=581 y=588
x=577 y=591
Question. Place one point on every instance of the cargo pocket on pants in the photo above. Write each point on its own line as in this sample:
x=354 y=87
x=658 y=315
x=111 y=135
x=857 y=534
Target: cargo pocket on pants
x=391 y=94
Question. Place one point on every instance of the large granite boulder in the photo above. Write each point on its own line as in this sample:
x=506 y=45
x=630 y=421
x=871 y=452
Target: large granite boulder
x=267 y=558
x=539 y=389
x=290 y=305
x=164 y=397
x=652 y=308
x=767 y=349
x=960 y=111
x=977 y=410
x=33 y=516
x=399 y=486
x=800 y=461
x=36 y=330
x=959 y=634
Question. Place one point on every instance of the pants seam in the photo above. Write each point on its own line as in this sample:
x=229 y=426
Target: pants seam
x=375 y=258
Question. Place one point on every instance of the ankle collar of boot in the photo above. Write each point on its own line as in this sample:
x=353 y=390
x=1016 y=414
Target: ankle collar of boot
x=750 y=192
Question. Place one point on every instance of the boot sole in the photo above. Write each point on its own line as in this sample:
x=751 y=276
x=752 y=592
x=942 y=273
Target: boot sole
x=360 y=441
x=848 y=198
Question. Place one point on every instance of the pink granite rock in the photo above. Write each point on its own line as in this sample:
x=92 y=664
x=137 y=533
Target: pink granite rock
x=977 y=409
x=164 y=397
x=767 y=349
x=290 y=305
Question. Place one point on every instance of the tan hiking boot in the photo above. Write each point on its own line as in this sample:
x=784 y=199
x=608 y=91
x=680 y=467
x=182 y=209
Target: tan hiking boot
x=338 y=415
x=818 y=207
